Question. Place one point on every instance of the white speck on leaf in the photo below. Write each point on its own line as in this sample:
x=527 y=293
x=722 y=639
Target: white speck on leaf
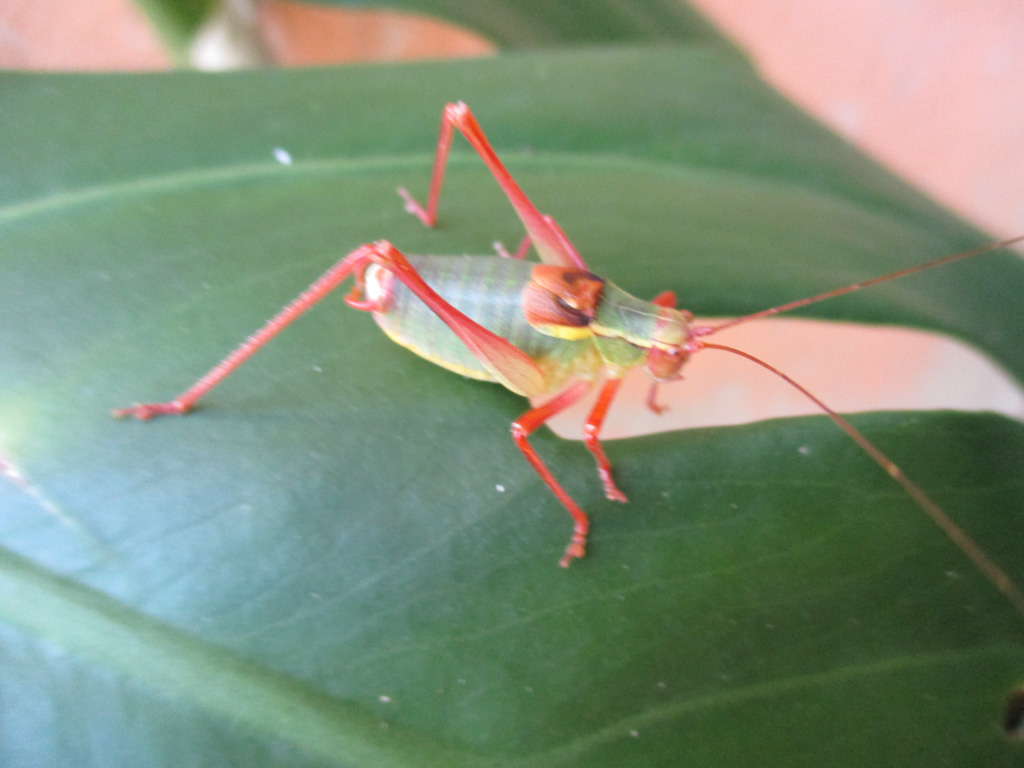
x=282 y=155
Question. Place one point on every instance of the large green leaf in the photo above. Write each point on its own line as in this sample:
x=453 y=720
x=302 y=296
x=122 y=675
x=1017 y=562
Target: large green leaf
x=341 y=559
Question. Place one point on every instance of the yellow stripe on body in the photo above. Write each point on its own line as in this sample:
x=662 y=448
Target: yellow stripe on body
x=479 y=375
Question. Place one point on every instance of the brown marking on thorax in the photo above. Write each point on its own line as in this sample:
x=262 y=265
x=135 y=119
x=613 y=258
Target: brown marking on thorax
x=561 y=298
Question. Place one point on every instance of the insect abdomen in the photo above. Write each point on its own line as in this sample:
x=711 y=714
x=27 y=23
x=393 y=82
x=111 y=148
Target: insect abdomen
x=488 y=290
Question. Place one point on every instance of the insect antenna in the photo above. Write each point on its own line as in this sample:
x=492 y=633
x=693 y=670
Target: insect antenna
x=996 y=575
x=707 y=331
x=983 y=562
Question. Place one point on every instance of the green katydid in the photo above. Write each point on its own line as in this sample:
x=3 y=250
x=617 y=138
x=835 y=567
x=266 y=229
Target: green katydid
x=550 y=330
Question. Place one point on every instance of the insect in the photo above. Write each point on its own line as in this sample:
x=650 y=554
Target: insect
x=549 y=330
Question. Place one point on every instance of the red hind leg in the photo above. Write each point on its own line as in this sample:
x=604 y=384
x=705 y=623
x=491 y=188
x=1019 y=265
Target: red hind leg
x=513 y=367
x=550 y=242
x=330 y=280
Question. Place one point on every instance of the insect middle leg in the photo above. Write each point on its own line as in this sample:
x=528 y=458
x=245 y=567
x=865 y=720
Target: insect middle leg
x=526 y=424
x=591 y=432
x=522 y=428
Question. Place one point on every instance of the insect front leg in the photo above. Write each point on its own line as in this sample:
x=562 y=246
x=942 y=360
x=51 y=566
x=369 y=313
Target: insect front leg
x=521 y=430
x=663 y=299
